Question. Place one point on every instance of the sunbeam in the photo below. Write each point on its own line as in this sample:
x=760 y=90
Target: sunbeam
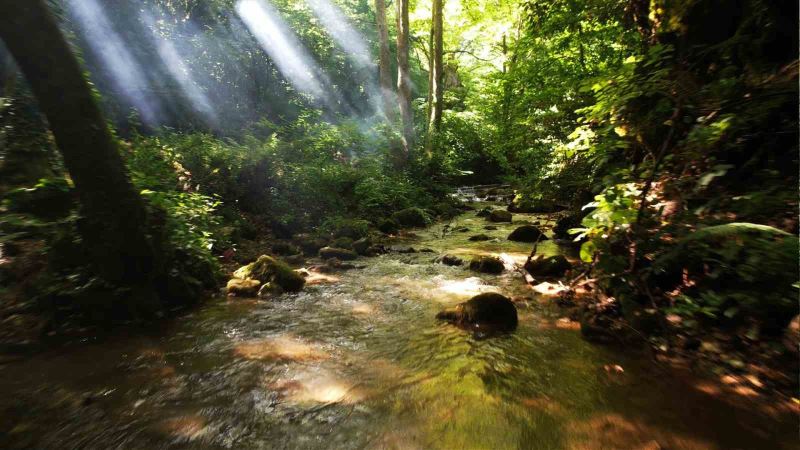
x=179 y=71
x=115 y=57
x=281 y=45
x=342 y=31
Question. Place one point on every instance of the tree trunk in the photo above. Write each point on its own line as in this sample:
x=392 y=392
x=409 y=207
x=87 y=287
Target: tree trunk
x=113 y=224
x=384 y=69
x=437 y=73
x=404 y=76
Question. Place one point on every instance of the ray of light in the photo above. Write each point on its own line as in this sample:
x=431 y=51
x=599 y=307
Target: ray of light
x=283 y=47
x=179 y=71
x=115 y=56
x=342 y=31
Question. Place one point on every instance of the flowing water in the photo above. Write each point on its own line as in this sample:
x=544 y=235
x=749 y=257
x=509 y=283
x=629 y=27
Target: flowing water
x=357 y=360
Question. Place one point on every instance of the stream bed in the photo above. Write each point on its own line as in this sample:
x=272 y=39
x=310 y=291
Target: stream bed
x=358 y=361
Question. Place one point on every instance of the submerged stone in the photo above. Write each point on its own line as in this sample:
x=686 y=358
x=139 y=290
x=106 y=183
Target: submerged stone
x=550 y=266
x=527 y=233
x=479 y=238
x=243 y=288
x=499 y=215
x=487 y=264
x=488 y=309
x=450 y=260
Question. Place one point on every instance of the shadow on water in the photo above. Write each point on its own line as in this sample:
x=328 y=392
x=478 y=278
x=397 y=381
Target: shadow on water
x=358 y=361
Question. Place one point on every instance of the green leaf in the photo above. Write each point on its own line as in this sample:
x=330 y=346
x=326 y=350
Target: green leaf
x=588 y=250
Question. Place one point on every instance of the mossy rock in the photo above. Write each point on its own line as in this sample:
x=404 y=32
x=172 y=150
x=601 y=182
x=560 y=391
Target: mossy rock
x=309 y=244
x=285 y=249
x=350 y=228
x=389 y=226
x=498 y=215
x=487 y=264
x=549 y=266
x=446 y=210
x=479 y=238
x=343 y=242
x=489 y=309
x=243 y=288
x=362 y=246
x=450 y=260
x=267 y=269
x=527 y=233
x=485 y=212
x=338 y=253
x=412 y=218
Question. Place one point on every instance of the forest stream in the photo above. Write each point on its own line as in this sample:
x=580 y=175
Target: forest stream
x=358 y=360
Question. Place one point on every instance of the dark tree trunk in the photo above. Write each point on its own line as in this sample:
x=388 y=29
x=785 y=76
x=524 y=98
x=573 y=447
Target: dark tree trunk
x=113 y=224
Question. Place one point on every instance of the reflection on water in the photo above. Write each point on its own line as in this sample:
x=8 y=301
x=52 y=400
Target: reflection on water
x=357 y=360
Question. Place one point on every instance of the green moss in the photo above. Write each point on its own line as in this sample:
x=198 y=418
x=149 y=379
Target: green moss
x=267 y=269
x=412 y=217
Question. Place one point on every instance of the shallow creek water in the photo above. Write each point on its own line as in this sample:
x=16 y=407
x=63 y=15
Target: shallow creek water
x=359 y=361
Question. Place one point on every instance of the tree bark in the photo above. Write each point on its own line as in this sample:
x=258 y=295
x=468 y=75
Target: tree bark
x=384 y=62
x=404 y=76
x=437 y=72
x=113 y=224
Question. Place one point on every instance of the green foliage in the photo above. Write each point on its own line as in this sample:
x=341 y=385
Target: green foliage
x=725 y=265
x=50 y=198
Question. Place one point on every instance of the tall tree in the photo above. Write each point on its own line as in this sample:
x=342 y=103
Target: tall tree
x=113 y=224
x=437 y=72
x=404 y=75
x=384 y=63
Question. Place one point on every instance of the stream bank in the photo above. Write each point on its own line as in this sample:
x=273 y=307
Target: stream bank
x=358 y=360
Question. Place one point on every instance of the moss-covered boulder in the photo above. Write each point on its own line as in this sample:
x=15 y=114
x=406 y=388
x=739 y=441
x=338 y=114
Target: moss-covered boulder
x=349 y=228
x=285 y=249
x=309 y=244
x=487 y=264
x=267 y=269
x=243 y=288
x=362 y=246
x=489 y=309
x=479 y=238
x=527 y=233
x=485 y=212
x=343 y=242
x=450 y=260
x=548 y=266
x=338 y=253
x=498 y=215
x=388 y=226
x=412 y=218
